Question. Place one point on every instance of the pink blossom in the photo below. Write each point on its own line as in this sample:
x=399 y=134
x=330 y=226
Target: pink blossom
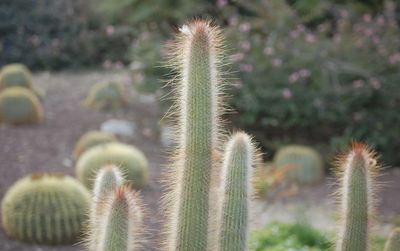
x=310 y=38
x=233 y=21
x=246 y=68
x=268 y=51
x=110 y=30
x=358 y=83
x=395 y=58
x=244 y=27
x=369 y=32
x=237 y=57
x=305 y=73
x=277 y=62
x=287 y=93
x=376 y=40
x=300 y=28
x=294 y=34
x=367 y=18
x=375 y=83
x=344 y=13
x=294 y=77
x=246 y=45
x=381 y=21
x=221 y=3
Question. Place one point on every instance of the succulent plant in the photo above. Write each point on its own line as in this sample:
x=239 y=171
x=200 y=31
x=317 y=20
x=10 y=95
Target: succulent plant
x=45 y=208
x=196 y=58
x=13 y=75
x=108 y=179
x=308 y=166
x=235 y=193
x=393 y=243
x=121 y=224
x=90 y=139
x=130 y=160
x=106 y=96
x=357 y=170
x=19 y=105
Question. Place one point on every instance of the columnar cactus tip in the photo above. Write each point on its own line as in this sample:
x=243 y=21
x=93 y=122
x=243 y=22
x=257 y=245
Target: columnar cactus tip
x=358 y=171
x=196 y=58
x=235 y=193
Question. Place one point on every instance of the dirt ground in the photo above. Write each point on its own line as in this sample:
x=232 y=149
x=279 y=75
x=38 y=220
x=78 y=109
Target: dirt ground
x=48 y=147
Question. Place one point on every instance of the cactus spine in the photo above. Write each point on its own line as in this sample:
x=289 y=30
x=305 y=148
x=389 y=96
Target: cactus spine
x=358 y=170
x=121 y=225
x=235 y=193
x=196 y=58
x=393 y=243
x=108 y=179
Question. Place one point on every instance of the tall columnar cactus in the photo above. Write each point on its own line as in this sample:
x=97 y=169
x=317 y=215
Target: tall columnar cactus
x=235 y=194
x=358 y=170
x=108 y=179
x=196 y=58
x=45 y=208
x=121 y=225
x=393 y=243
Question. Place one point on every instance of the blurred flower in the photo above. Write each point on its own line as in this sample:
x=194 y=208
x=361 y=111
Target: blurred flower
x=367 y=18
x=246 y=67
x=277 y=62
x=294 y=77
x=358 y=83
x=107 y=64
x=244 y=27
x=237 y=57
x=305 y=73
x=221 y=3
x=376 y=40
x=287 y=93
x=294 y=34
x=233 y=21
x=300 y=28
x=110 y=30
x=268 y=51
x=310 y=38
x=245 y=45
x=375 y=83
x=369 y=32
x=394 y=59
x=344 y=13
x=381 y=21
x=147 y=132
x=118 y=65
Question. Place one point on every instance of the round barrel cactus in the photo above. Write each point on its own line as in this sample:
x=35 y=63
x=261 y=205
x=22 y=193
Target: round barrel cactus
x=45 y=209
x=90 y=139
x=19 y=105
x=307 y=164
x=15 y=75
x=130 y=160
x=106 y=96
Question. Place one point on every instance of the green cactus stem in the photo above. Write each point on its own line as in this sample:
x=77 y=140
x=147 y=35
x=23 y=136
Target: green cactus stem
x=197 y=59
x=235 y=193
x=121 y=227
x=393 y=243
x=358 y=171
x=13 y=75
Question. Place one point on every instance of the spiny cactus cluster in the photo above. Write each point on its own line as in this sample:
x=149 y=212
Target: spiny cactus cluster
x=106 y=96
x=307 y=164
x=91 y=139
x=116 y=218
x=131 y=161
x=19 y=105
x=45 y=208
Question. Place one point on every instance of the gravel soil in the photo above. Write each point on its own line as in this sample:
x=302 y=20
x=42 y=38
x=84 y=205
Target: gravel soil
x=48 y=147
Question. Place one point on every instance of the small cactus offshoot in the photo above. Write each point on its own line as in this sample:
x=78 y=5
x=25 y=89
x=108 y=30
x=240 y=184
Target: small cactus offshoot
x=121 y=223
x=19 y=105
x=358 y=170
x=130 y=160
x=235 y=194
x=45 y=208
